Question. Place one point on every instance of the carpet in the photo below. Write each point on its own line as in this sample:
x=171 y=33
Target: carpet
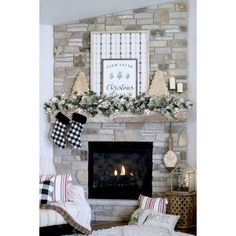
x=134 y=230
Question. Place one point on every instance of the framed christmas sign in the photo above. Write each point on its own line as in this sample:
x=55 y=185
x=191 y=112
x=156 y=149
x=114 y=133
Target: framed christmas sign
x=119 y=45
x=119 y=77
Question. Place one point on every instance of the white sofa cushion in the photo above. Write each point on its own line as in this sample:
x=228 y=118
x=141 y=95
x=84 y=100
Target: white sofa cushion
x=49 y=217
x=46 y=166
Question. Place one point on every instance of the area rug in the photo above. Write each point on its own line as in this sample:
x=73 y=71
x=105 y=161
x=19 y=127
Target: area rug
x=135 y=230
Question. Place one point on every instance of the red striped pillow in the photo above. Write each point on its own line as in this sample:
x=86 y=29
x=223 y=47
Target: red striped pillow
x=158 y=204
x=60 y=191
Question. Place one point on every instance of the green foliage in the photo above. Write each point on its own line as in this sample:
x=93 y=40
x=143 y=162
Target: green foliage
x=105 y=105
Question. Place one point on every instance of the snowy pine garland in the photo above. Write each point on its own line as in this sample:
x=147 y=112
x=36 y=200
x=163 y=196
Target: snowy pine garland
x=105 y=105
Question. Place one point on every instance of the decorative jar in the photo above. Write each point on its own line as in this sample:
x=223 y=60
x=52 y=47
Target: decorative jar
x=183 y=177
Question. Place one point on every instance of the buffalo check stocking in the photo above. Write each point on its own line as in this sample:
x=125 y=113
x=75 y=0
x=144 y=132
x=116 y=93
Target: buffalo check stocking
x=58 y=133
x=77 y=124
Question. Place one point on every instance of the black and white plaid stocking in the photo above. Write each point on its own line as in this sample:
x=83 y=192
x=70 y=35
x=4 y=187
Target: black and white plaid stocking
x=77 y=124
x=58 y=133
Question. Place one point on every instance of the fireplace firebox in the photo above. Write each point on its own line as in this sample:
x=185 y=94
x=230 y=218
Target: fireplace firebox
x=120 y=170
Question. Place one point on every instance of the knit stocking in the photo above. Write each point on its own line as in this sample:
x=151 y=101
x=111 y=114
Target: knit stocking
x=58 y=133
x=77 y=124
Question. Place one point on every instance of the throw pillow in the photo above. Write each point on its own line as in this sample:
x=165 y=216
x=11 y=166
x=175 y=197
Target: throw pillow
x=46 y=191
x=60 y=191
x=138 y=216
x=155 y=218
x=158 y=204
x=75 y=193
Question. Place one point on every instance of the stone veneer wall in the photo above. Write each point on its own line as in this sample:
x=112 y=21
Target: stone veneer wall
x=168 y=25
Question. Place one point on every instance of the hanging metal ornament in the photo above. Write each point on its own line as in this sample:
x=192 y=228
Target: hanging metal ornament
x=170 y=158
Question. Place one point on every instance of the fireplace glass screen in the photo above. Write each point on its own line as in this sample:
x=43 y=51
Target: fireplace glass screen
x=120 y=170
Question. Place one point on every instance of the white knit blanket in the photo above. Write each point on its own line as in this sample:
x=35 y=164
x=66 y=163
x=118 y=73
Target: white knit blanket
x=76 y=212
x=136 y=230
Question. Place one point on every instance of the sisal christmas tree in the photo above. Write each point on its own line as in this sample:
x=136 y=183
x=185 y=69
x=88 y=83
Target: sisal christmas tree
x=158 y=86
x=80 y=85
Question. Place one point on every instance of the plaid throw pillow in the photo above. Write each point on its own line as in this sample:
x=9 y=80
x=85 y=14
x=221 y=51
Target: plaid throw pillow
x=46 y=191
x=60 y=189
x=158 y=204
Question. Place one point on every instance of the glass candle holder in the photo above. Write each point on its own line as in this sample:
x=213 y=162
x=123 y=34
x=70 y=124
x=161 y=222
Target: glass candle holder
x=183 y=177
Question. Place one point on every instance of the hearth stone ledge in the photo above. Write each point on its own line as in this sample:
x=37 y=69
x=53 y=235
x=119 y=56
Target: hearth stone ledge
x=112 y=209
x=113 y=202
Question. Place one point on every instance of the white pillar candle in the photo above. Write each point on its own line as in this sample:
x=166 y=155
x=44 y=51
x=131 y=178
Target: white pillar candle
x=179 y=87
x=172 y=83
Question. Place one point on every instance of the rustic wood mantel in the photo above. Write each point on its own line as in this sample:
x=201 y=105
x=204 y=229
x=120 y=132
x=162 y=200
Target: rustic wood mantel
x=126 y=117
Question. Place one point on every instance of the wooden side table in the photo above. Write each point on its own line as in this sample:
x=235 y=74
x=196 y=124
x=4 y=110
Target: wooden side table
x=183 y=204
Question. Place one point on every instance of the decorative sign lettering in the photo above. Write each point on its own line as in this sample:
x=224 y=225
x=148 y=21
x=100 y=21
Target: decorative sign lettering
x=161 y=218
x=119 y=77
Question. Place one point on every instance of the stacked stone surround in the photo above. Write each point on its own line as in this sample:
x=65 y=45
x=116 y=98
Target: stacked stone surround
x=76 y=161
x=168 y=25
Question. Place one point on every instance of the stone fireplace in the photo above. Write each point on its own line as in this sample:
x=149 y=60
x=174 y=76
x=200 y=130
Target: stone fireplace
x=76 y=162
x=168 y=29
x=119 y=170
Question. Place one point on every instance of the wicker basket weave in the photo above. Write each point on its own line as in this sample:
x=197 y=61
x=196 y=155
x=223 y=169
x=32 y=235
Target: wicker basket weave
x=183 y=204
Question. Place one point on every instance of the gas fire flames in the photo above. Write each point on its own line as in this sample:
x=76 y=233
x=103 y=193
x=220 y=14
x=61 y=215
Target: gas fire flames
x=122 y=172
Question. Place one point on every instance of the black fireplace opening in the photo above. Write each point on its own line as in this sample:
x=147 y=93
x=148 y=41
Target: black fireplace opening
x=120 y=170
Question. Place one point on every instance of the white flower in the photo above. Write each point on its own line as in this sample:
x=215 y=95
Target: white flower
x=54 y=100
x=146 y=111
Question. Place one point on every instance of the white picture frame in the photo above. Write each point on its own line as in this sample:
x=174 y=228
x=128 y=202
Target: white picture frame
x=119 y=77
x=120 y=45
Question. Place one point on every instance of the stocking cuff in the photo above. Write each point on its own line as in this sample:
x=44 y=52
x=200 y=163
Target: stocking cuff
x=62 y=118
x=79 y=118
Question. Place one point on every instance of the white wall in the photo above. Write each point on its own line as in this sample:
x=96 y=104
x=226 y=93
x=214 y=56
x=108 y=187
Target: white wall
x=46 y=86
x=191 y=152
x=55 y=12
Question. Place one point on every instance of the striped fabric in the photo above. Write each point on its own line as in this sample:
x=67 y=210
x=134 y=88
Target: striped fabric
x=158 y=204
x=50 y=217
x=60 y=191
x=68 y=218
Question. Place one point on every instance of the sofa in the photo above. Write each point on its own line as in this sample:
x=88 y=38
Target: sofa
x=66 y=210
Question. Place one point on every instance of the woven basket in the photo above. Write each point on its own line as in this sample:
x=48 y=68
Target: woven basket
x=183 y=204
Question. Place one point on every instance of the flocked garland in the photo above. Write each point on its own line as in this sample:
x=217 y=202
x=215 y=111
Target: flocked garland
x=93 y=104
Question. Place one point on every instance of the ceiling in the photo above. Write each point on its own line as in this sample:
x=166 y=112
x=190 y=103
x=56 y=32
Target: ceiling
x=54 y=12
